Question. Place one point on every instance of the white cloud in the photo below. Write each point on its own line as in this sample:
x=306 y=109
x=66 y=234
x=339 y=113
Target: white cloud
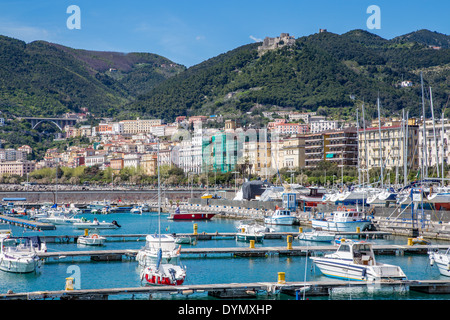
x=255 y=39
x=198 y=38
x=24 y=33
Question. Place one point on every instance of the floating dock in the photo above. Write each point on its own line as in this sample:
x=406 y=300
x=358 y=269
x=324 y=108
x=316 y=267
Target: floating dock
x=30 y=224
x=117 y=255
x=236 y=290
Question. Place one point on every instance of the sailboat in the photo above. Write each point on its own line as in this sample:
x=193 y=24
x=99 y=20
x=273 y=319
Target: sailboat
x=160 y=259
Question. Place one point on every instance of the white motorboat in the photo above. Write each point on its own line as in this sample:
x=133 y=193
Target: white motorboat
x=93 y=239
x=442 y=260
x=318 y=236
x=342 y=220
x=95 y=224
x=250 y=232
x=18 y=256
x=281 y=217
x=136 y=210
x=356 y=261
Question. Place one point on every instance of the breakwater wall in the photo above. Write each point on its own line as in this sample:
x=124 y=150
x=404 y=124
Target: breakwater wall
x=87 y=196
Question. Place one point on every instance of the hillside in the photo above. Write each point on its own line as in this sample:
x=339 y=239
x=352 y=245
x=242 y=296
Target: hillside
x=426 y=37
x=320 y=72
x=45 y=79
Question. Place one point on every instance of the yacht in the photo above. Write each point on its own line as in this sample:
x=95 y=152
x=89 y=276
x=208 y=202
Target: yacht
x=442 y=260
x=356 y=261
x=18 y=255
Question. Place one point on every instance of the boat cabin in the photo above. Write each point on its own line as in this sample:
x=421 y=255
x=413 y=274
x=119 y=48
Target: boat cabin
x=167 y=242
x=281 y=213
x=360 y=252
x=348 y=215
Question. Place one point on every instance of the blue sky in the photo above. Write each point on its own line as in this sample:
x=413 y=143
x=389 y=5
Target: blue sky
x=189 y=32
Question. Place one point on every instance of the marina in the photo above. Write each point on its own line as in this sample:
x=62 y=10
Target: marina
x=111 y=271
x=250 y=251
x=234 y=290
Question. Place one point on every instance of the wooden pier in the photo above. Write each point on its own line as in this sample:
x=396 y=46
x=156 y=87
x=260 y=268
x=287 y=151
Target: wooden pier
x=30 y=224
x=247 y=251
x=209 y=236
x=234 y=290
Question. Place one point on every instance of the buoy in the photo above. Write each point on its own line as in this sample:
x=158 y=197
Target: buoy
x=281 y=278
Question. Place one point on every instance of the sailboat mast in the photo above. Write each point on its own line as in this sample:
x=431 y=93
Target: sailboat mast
x=424 y=135
x=159 y=196
x=381 y=149
x=357 y=139
x=365 y=144
x=434 y=133
x=442 y=146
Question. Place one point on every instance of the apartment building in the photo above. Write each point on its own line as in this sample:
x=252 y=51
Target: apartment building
x=139 y=126
x=19 y=167
x=341 y=147
x=437 y=150
x=149 y=163
x=314 y=149
x=398 y=143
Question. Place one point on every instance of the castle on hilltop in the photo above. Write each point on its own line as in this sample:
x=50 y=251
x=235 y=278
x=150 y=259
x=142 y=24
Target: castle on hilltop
x=278 y=42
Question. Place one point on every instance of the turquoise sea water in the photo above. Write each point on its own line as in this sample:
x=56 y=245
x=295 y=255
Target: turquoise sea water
x=200 y=270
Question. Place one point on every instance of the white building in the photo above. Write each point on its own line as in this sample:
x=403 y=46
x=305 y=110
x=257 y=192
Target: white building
x=95 y=160
x=131 y=160
x=436 y=148
x=190 y=153
x=322 y=125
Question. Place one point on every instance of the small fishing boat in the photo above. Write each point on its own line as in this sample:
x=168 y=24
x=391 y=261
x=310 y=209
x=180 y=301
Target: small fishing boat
x=356 y=261
x=442 y=260
x=95 y=224
x=342 y=220
x=249 y=232
x=281 y=217
x=318 y=236
x=17 y=255
x=93 y=239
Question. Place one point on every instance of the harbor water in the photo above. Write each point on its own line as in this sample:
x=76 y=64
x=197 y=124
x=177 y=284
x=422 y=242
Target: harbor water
x=211 y=269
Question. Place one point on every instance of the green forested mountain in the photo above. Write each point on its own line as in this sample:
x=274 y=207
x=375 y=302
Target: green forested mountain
x=45 y=79
x=324 y=71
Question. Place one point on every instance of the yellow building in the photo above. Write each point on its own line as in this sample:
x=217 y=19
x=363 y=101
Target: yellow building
x=149 y=164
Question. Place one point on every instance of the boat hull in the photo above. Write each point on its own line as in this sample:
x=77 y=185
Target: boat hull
x=347 y=270
x=248 y=237
x=281 y=221
x=191 y=216
x=442 y=262
x=348 y=226
x=18 y=266
x=91 y=241
x=316 y=237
